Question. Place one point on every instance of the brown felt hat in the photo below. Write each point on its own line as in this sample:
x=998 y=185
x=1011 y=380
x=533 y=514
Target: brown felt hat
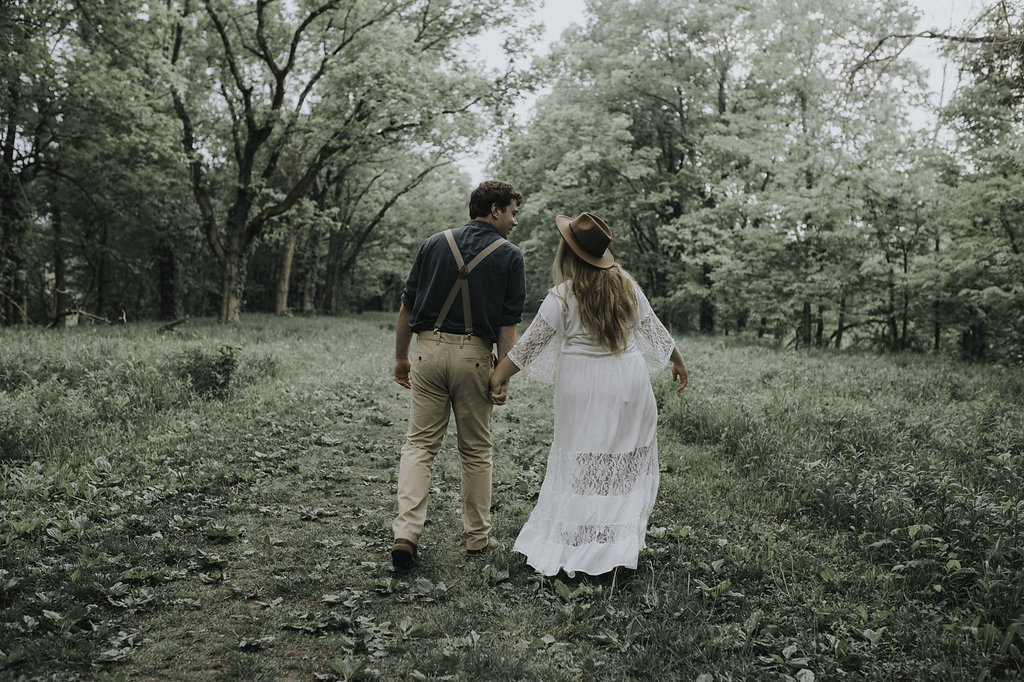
x=589 y=237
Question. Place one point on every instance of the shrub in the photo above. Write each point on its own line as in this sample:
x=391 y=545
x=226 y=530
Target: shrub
x=209 y=372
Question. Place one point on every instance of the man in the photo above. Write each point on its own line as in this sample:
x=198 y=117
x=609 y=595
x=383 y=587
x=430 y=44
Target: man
x=464 y=293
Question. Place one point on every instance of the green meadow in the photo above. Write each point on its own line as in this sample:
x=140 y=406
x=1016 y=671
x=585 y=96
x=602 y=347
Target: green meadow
x=215 y=502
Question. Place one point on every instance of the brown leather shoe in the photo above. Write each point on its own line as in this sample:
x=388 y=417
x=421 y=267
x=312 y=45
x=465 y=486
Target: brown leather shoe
x=404 y=555
x=491 y=546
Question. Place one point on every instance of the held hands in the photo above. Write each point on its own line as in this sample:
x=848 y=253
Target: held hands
x=499 y=381
x=498 y=390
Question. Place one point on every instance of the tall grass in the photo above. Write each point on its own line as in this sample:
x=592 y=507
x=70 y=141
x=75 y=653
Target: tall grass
x=83 y=417
x=920 y=460
x=215 y=503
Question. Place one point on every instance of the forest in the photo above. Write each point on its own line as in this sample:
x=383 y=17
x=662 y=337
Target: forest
x=762 y=164
x=207 y=212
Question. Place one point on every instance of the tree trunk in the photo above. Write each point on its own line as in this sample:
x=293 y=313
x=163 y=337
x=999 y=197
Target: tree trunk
x=13 y=287
x=905 y=323
x=937 y=307
x=17 y=287
x=167 y=278
x=805 y=325
x=973 y=341
x=6 y=229
x=842 y=323
x=307 y=263
x=707 y=308
x=333 y=288
x=819 y=332
x=307 y=291
x=894 y=332
x=101 y=272
x=60 y=284
x=9 y=219
x=905 y=313
x=232 y=279
x=284 y=275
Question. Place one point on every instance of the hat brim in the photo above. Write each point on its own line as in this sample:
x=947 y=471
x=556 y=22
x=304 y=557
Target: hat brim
x=605 y=261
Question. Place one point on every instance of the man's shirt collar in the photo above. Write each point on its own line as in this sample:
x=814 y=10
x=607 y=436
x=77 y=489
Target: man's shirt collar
x=483 y=225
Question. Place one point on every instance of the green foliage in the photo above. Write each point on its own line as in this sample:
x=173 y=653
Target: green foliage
x=818 y=514
x=919 y=461
x=758 y=181
x=208 y=372
x=771 y=182
x=94 y=384
x=982 y=260
x=145 y=152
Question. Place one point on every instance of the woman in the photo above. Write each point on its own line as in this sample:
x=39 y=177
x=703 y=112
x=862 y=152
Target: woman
x=602 y=472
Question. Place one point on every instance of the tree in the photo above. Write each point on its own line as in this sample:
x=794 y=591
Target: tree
x=702 y=131
x=336 y=78
x=31 y=88
x=981 y=264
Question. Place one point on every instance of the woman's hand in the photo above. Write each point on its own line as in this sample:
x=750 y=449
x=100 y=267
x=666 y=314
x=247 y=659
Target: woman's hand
x=678 y=369
x=499 y=381
x=679 y=373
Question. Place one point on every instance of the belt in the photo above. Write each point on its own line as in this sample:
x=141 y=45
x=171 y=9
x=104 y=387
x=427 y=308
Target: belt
x=445 y=337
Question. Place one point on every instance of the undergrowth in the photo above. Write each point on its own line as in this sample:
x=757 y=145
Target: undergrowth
x=918 y=461
x=215 y=503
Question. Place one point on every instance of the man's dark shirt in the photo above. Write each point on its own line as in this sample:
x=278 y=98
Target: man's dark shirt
x=497 y=286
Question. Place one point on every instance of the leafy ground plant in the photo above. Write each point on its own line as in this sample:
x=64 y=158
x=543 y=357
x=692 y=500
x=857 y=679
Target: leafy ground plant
x=820 y=516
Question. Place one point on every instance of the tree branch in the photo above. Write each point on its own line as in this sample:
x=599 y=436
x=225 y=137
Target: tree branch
x=195 y=166
x=232 y=63
x=262 y=40
x=1006 y=39
x=379 y=216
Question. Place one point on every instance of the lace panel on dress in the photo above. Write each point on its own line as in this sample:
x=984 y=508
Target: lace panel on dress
x=535 y=353
x=655 y=342
x=606 y=473
x=604 y=534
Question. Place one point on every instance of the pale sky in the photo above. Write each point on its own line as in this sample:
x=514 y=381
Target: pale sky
x=942 y=15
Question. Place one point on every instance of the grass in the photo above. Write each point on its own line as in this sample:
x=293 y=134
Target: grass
x=216 y=503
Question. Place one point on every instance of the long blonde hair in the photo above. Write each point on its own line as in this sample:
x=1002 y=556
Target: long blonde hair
x=606 y=297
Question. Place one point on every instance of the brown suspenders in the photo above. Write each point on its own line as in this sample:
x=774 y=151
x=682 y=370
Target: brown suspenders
x=462 y=283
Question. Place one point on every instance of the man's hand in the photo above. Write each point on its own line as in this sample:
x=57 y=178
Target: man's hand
x=499 y=381
x=499 y=391
x=402 y=368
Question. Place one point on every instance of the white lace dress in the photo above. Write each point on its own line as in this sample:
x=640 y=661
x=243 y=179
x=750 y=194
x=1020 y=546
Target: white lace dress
x=602 y=471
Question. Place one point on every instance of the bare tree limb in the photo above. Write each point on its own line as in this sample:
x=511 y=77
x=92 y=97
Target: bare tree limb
x=195 y=167
x=171 y=325
x=24 y=315
x=232 y=63
x=122 y=318
x=998 y=40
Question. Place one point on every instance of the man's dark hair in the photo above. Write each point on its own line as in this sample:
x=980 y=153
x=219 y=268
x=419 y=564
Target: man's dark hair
x=489 y=193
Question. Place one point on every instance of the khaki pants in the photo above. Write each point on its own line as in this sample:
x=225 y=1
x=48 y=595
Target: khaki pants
x=450 y=373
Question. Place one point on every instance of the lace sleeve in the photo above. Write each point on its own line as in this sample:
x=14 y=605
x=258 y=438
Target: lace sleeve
x=536 y=353
x=655 y=343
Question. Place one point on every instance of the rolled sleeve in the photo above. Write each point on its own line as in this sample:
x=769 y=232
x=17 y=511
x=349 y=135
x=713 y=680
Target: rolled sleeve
x=412 y=281
x=515 y=291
